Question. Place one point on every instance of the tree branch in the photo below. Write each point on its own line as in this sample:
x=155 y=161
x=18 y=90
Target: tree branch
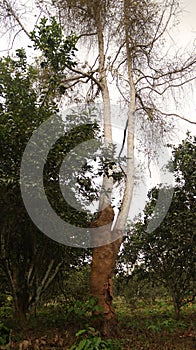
x=86 y=34
x=87 y=75
x=15 y=16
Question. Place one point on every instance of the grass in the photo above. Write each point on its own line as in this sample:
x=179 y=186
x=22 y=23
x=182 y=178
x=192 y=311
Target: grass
x=154 y=328
x=143 y=328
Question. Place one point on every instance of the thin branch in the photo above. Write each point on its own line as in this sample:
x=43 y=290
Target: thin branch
x=87 y=75
x=121 y=93
x=43 y=282
x=117 y=54
x=95 y=62
x=86 y=34
x=176 y=115
x=121 y=63
x=166 y=88
x=53 y=276
x=12 y=44
x=157 y=36
x=15 y=16
x=145 y=108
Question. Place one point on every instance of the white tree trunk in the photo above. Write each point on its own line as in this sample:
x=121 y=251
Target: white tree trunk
x=107 y=185
x=128 y=192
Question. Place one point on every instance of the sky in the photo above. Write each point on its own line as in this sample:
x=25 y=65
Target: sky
x=183 y=36
x=179 y=38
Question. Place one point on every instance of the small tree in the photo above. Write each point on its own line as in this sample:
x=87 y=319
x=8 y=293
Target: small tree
x=169 y=251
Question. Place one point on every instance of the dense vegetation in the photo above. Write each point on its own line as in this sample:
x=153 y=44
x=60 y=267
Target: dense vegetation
x=146 y=320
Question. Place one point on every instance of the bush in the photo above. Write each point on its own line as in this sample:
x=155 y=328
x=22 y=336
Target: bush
x=4 y=334
x=90 y=339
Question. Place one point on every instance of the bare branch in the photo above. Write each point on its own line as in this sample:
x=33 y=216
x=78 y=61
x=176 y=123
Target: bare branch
x=158 y=35
x=117 y=53
x=15 y=16
x=121 y=93
x=176 y=115
x=85 y=35
x=154 y=108
x=170 y=86
x=87 y=75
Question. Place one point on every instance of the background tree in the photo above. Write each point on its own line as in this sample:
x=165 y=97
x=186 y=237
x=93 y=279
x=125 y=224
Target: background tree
x=137 y=286
x=169 y=251
x=30 y=261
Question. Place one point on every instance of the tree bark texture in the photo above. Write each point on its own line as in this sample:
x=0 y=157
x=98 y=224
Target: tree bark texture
x=102 y=269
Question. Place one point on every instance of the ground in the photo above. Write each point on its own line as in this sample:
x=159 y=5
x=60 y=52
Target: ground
x=143 y=327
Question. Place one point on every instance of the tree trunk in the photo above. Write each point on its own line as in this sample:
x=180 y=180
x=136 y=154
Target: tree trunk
x=101 y=288
x=177 y=312
x=103 y=262
x=21 y=309
x=104 y=257
x=176 y=309
x=20 y=297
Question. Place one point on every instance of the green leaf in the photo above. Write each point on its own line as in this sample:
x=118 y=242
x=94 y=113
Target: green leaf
x=80 y=332
x=82 y=345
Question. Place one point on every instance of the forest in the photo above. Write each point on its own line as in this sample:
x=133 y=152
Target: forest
x=89 y=103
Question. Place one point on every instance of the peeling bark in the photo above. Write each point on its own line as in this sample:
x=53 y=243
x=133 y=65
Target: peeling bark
x=101 y=284
x=102 y=269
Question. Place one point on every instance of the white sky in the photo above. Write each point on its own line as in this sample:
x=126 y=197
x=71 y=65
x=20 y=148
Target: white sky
x=181 y=37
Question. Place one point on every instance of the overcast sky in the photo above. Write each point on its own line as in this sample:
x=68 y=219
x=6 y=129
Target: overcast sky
x=181 y=37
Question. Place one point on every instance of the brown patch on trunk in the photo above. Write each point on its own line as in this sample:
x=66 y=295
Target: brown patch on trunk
x=105 y=217
x=103 y=262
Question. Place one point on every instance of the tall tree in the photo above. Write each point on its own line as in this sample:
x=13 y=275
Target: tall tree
x=127 y=35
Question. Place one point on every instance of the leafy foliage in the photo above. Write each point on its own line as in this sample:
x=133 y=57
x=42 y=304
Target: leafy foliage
x=90 y=339
x=4 y=334
x=169 y=251
x=29 y=260
x=58 y=51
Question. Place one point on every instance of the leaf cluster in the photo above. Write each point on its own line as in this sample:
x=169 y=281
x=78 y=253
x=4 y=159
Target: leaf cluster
x=58 y=52
x=90 y=339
